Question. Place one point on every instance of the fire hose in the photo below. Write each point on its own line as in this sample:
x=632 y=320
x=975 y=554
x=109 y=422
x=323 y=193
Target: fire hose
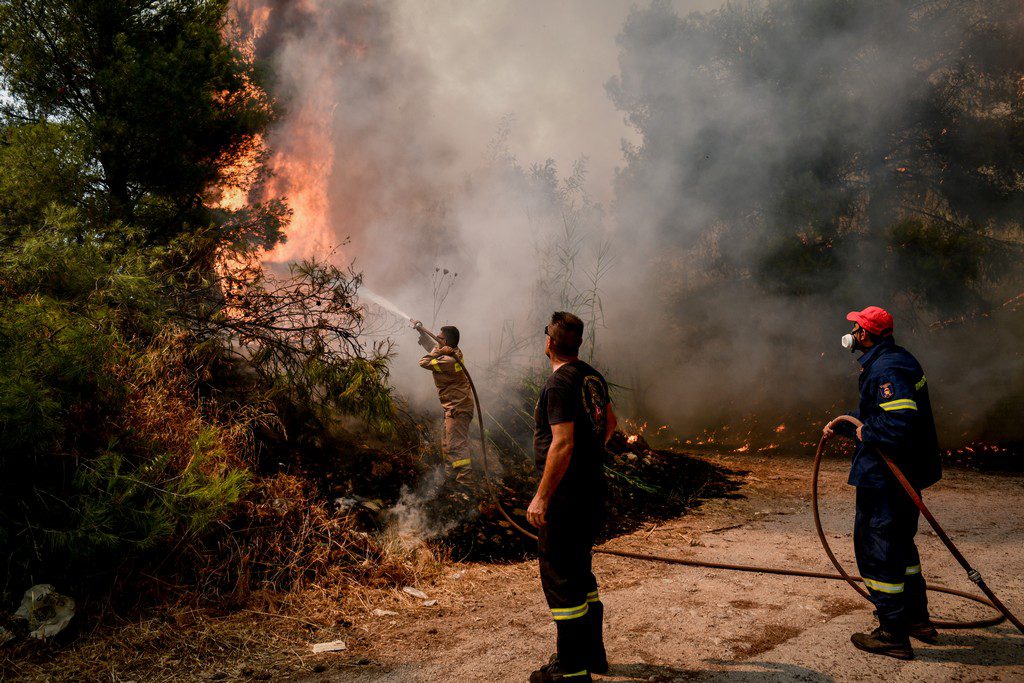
x=990 y=599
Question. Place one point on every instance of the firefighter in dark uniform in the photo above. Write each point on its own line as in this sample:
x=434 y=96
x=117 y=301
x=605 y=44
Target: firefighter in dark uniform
x=574 y=419
x=897 y=419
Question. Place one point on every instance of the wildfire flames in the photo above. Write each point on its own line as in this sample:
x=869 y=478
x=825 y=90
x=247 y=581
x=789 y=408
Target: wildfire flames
x=301 y=165
x=301 y=174
x=239 y=177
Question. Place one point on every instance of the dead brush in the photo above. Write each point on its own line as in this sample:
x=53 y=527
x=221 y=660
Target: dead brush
x=284 y=537
x=164 y=409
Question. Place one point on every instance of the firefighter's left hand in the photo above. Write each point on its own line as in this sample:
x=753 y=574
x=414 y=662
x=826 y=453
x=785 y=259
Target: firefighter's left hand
x=860 y=437
x=446 y=351
x=536 y=514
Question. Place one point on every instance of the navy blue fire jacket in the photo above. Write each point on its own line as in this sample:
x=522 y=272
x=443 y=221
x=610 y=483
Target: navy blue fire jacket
x=897 y=417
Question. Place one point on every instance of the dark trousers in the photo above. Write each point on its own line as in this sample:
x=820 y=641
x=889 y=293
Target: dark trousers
x=887 y=557
x=570 y=587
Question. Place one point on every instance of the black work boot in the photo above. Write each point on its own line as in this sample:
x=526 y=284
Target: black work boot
x=882 y=641
x=553 y=671
x=598 y=663
x=924 y=631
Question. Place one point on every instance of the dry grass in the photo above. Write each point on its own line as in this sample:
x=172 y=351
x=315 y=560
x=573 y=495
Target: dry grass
x=285 y=538
x=268 y=635
x=246 y=600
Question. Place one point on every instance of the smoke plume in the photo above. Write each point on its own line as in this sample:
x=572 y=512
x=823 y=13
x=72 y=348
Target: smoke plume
x=711 y=191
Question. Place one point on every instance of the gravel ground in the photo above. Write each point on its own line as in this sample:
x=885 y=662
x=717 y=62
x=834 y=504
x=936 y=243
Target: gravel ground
x=675 y=623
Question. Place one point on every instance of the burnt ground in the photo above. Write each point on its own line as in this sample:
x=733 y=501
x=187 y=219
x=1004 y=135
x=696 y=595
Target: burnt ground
x=674 y=623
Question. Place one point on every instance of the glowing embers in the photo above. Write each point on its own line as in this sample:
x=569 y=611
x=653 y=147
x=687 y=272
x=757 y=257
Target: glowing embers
x=985 y=456
x=634 y=430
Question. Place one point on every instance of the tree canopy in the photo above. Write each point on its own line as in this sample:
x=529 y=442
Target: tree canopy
x=864 y=143
x=142 y=346
x=136 y=109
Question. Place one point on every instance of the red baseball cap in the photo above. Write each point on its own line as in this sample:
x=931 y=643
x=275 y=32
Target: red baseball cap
x=873 y=319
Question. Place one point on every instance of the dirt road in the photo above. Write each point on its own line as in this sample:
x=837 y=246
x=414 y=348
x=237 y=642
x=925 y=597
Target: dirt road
x=674 y=623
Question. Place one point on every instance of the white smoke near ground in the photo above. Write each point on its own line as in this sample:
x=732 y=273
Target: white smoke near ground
x=409 y=522
x=423 y=137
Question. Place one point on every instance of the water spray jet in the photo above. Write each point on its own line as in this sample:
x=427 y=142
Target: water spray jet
x=384 y=303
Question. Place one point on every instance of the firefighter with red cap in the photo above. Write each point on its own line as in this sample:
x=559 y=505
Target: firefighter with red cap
x=897 y=418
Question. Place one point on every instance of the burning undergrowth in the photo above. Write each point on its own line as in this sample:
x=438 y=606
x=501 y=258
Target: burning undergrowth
x=986 y=457
x=643 y=485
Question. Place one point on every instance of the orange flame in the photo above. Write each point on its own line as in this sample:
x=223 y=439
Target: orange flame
x=300 y=169
x=301 y=175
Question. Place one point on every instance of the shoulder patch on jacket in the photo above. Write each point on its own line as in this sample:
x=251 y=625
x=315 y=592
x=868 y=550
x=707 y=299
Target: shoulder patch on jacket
x=885 y=390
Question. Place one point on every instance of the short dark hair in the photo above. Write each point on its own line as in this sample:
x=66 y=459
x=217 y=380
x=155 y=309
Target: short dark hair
x=451 y=335
x=566 y=332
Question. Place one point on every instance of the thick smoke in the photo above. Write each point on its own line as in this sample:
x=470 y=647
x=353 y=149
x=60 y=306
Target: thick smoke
x=766 y=154
x=397 y=145
x=801 y=159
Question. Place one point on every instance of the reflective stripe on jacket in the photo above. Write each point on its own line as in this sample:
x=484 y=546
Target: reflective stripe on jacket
x=450 y=379
x=897 y=415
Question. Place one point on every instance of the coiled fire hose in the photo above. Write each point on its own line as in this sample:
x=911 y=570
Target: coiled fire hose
x=1003 y=613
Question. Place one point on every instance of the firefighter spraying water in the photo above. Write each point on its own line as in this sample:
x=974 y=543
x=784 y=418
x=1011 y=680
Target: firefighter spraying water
x=444 y=361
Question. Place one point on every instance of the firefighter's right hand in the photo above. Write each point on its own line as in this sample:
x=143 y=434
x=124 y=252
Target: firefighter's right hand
x=537 y=513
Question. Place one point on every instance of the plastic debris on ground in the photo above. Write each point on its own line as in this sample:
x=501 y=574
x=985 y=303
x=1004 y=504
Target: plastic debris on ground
x=329 y=646
x=46 y=611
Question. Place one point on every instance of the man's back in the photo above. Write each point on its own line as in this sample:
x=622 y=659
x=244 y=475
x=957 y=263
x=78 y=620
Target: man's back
x=576 y=393
x=450 y=379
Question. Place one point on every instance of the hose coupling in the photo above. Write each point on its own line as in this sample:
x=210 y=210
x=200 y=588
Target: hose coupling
x=974 y=575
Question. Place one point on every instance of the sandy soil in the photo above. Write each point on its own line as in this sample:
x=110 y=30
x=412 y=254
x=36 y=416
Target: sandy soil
x=674 y=623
